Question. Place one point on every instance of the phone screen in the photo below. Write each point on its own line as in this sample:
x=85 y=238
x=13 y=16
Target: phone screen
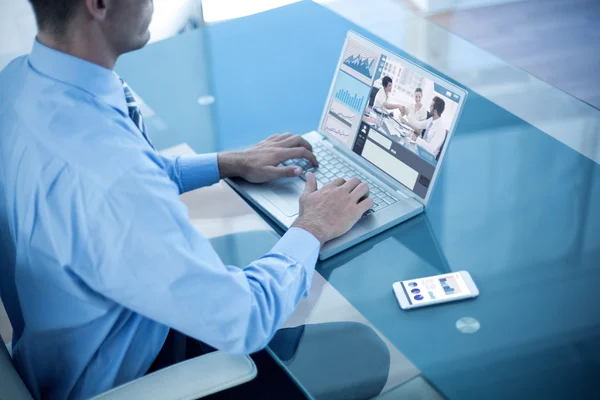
x=435 y=288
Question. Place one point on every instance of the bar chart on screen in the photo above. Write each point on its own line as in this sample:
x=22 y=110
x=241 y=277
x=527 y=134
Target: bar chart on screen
x=350 y=92
x=450 y=285
x=352 y=101
x=347 y=102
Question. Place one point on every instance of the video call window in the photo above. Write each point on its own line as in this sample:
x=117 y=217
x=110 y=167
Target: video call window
x=386 y=110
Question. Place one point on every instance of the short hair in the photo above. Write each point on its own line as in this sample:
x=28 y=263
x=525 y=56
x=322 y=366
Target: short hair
x=54 y=15
x=419 y=90
x=386 y=81
x=439 y=105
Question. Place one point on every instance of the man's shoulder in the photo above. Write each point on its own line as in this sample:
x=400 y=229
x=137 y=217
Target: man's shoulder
x=12 y=79
x=38 y=104
x=96 y=145
x=51 y=120
x=13 y=67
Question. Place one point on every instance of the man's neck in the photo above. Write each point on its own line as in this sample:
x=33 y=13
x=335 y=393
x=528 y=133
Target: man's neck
x=435 y=117
x=80 y=46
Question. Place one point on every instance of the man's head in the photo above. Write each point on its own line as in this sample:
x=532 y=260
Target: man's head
x=418 y=95
x=387 y=84
x=117 y=25
x=437 y=107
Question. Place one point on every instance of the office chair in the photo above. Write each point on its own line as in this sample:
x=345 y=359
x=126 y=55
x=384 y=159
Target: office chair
x=437 y=158
x=191 y=379
x=374 y=91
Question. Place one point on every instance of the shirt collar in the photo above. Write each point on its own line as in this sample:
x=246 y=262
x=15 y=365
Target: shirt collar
x=434 y=121
x=92 y=78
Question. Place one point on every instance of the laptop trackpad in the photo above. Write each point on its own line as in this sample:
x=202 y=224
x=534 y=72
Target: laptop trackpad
x=285 y=196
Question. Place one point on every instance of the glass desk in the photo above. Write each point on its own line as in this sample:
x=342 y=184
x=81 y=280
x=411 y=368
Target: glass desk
x=516 y=204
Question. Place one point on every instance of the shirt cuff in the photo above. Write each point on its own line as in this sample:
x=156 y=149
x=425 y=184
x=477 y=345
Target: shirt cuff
x=302 y=247
x=198 y=170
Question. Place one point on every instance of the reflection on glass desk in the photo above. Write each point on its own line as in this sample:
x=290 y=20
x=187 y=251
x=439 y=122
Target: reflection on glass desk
x=355 y=360
x=516 y=204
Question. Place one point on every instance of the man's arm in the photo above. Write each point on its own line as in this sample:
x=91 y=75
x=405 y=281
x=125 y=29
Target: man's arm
x=143 y=253
x=259 y=163
x=417 y=125
x=381 y=101
x=193 y=171
x=391 y=106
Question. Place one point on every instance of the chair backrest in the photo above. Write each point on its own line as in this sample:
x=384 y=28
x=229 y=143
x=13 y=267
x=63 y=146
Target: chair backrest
x=437 y=158
x=11 y=384
x=372 y=96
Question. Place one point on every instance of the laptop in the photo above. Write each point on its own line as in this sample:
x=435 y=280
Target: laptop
x=373 y=143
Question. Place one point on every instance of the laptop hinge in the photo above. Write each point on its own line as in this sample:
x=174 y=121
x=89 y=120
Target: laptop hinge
x=410 y=195
x=402 y=193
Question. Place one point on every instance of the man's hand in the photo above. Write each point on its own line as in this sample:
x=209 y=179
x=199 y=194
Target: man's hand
x=260 y=163
x=332 y=210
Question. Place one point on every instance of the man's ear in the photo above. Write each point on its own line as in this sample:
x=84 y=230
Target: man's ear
x=97 y=9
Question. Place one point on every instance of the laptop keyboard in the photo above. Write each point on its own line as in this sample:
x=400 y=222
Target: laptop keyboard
x=332 y=165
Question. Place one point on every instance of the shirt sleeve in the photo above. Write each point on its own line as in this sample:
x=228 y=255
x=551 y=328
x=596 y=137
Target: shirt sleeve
x=192 y=172
x=144 y=254
x=433 y=147
x=416 y=123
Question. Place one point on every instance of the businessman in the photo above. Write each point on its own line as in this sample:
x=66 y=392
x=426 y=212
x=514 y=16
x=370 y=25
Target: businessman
x=382 y=98
x=432 y=130
x=98 y=261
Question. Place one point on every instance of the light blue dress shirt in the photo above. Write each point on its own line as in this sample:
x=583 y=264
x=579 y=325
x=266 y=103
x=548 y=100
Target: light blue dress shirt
x=97 y=256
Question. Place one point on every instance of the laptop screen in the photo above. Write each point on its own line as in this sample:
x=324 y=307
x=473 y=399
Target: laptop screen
x=391 y=112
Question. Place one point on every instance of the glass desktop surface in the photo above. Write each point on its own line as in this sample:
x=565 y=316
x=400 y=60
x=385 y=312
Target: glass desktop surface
x=516 y=204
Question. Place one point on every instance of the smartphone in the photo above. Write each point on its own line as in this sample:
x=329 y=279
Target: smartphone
x=437 y=289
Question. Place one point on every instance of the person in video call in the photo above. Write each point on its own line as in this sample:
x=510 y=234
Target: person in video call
x=101 y=269
x=382 y=98
x=416 y=110
x=435 y=132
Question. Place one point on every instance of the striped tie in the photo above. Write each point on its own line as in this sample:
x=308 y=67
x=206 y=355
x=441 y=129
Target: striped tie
x=134 y=112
